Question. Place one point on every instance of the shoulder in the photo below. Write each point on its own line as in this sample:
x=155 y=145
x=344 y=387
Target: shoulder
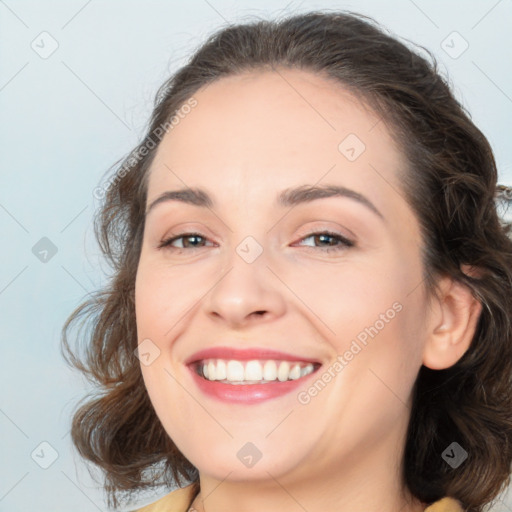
x=176 y=501
x=445 y=505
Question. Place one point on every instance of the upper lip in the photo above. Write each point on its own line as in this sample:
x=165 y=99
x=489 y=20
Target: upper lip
x=229 y=353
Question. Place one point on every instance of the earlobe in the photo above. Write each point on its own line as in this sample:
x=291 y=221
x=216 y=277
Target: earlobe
x=452 y=326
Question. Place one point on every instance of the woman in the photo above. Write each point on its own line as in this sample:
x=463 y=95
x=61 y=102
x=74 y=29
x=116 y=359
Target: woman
x=312 y=290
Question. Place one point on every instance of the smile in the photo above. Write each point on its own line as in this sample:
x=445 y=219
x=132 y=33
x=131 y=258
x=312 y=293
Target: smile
x=248 y=376
x=252 y=372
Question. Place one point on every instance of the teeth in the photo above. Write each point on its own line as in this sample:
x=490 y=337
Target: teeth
x=250 y=372
x=284 y=371
x=234 y=372
x=306 y=370
x=212 y=370
x=253 y=371
x=270 y=370
x=294 y=372
x=221 y=371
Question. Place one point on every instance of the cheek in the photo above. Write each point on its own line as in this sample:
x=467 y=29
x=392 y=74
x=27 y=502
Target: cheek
x=159 y=306
x=351 y=300
x=161 y=298
x=374 y=313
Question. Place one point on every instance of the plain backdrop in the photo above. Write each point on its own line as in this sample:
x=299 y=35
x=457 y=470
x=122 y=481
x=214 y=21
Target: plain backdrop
x=77 y=81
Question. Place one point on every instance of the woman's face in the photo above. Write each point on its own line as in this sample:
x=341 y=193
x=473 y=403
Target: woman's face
x=306 y=310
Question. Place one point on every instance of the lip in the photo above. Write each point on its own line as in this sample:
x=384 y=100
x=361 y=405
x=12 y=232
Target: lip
x=245 y=355
x=246 y=393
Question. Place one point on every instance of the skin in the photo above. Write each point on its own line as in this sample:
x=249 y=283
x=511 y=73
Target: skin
x=248 y=138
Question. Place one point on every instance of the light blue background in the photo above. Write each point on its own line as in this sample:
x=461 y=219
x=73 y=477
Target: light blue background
x=66 y=119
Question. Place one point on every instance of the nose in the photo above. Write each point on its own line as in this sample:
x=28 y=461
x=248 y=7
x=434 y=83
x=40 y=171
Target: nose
x=245 y=293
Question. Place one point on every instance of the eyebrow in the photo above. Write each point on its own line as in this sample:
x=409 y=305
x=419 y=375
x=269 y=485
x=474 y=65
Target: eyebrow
x=288 y=197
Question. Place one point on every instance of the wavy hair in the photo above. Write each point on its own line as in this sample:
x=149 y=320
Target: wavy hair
x=450 y=184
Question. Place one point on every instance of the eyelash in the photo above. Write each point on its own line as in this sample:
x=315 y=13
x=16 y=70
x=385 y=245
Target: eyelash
x=345 y=242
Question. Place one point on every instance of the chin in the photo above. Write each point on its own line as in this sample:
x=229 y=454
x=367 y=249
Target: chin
x=243 y=460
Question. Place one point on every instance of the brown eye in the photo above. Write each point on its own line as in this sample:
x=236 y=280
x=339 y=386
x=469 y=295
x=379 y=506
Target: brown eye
x=188 y=241
x=330 y=241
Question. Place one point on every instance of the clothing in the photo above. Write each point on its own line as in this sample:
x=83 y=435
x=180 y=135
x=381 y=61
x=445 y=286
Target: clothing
x=181 y=499
x=176 y=501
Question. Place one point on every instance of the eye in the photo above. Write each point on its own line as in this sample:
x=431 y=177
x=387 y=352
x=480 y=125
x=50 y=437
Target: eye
x=188 y=241
x=329 y=241
x=330 y=238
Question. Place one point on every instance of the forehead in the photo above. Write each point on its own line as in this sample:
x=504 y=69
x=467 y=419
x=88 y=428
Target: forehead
x=275 y=129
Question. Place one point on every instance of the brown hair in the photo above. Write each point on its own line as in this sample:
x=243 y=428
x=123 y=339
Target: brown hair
x=450 y=185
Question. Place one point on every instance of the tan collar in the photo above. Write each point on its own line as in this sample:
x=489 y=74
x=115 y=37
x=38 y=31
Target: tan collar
x=445 y=505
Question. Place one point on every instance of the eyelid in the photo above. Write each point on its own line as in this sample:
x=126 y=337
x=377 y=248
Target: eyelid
x=189 y=228
x=322 y=225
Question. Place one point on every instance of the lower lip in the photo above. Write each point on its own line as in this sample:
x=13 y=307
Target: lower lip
x=246 y=393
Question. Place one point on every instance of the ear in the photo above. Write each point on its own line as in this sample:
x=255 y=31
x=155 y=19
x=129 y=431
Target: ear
x=452 y=323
